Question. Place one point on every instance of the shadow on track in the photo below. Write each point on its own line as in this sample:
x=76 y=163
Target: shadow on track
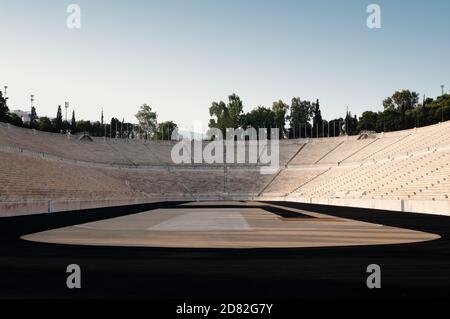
x=38 y=270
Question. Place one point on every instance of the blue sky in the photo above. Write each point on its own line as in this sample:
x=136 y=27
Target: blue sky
x=179 y=56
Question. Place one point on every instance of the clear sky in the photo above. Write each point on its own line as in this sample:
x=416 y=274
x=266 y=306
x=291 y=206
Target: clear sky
x=179 y=56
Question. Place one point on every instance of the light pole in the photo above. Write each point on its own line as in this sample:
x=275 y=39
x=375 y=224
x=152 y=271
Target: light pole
x=103 y=124
x=66 y=106
x=31 y=102
x=6 y=97
x=442 y=108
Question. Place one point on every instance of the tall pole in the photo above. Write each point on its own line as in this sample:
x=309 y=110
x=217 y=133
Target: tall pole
x=6 y=96
x=66 y=106
x=31 y=103
x=442 y=109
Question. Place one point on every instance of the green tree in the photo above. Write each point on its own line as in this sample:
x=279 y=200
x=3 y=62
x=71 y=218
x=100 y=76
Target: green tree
x=317 y=119
x=335 y=127
x=15 y=120
x=235 y=108
x=426 y=117
x=351 y=124
x=439 y=109
x=58 y=120
x=402 y=101
x=73 y=124
x=220 y=111
x=84 y=126
x=44 y=124
x=147 y=120
x=165 y=130
x=260 y=118
x=33 y=118
x=368 y=121
x=226 y=115
x=115 y=127
x=3 y=108
x=299 y=118
x=280 y=109
x=97 y=129
x=388 y=120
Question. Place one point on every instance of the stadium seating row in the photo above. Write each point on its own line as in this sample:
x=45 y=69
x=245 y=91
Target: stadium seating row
x=411 y=164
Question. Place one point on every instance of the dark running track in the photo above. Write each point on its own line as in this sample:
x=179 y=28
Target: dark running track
x=38 y=270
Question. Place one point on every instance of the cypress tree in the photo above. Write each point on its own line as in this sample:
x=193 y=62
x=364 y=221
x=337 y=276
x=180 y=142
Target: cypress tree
x=59 y=121
x=73 y=125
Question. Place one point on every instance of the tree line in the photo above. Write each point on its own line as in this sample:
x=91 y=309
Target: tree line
x=303 y=118
x=299 y=119
x=147 y=127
